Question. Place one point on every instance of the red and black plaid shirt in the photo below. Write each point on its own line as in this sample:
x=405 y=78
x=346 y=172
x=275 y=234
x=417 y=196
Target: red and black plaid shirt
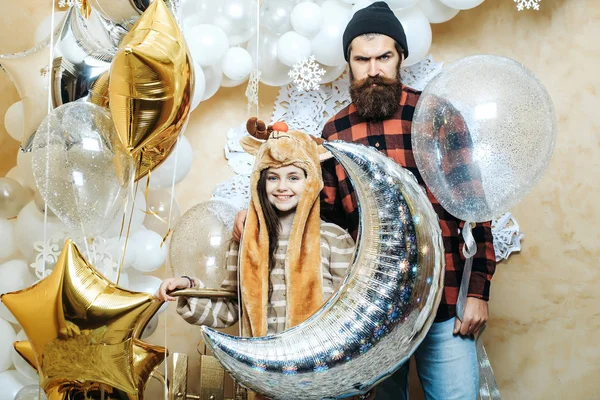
x=393 y=137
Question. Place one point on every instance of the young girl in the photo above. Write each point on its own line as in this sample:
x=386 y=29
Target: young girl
x=290 y=261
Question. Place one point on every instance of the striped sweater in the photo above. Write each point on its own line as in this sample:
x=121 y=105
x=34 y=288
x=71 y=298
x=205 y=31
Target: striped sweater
x=337 y=249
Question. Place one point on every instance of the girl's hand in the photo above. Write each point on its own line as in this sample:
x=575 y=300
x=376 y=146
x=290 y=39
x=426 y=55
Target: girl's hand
x=170 y=284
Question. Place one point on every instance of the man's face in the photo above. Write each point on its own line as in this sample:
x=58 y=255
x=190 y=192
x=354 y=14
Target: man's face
x=375 y=78
x=374 y=56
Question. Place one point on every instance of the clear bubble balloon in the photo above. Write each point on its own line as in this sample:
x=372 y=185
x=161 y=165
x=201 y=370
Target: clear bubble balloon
x=483 y=134
x=201 y=240
x=80 y=166
x=272 y=71
x=13 y=197
x=159 y=208
x=31 y=392
x=275 y=15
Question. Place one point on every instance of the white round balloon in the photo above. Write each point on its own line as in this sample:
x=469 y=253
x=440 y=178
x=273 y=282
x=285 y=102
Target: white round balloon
x=462 y=4
x=360 y=4
x=327 y=44
x=30 y=229
x=144 y=283
x=13 y=121
x=115 y=247
x=15 y=173
x=398 y=4
x=331 y=73
x=236 y=64
x=272 y=71
x=20 y=364
x=7 y=338
x=7 y=238
x=14 y=275
x=436 y=11
x=207 y=43
x=226 y=82
x=292 y=48
x=275 y=15
x=307 y=18
x=199 y=86
x=149 y=254
x=26 y=168
x=418 y=34
x=11 y=383
x=213 y=77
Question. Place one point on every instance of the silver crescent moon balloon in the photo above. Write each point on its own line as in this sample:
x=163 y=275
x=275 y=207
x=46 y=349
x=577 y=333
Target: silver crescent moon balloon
x=83 y=58
x=380 y=313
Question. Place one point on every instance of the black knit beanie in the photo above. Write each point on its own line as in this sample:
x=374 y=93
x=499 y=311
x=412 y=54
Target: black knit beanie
x=376 y=18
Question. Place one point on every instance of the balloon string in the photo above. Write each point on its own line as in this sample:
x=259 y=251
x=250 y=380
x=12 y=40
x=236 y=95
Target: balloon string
x=128 y=226
x=45 y=234
x=168 y=269
x=257 y=52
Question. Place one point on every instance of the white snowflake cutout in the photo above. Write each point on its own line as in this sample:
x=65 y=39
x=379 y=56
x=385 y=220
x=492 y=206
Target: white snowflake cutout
x=528 y=4
x=69 y=3
x=307 y=74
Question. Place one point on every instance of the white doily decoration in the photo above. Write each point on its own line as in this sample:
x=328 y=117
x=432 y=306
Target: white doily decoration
x=306 y=74
x=252 y=88
x=309 y=111
x=417 y=76
x=507 y=236
x=235 y=191
x=528 y=4
x=99 y=256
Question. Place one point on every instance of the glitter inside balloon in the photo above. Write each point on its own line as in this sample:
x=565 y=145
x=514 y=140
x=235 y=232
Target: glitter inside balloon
x=483 y=134
x=200 y=242
x=80 y=167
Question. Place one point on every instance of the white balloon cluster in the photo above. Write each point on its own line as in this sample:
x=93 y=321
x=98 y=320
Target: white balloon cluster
x=222 y=36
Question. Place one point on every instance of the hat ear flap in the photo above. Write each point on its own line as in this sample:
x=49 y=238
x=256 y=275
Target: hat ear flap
x=324 y=155
x=251 y=144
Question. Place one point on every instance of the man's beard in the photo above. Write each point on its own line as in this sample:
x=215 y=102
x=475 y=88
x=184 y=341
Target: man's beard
x=376 y=102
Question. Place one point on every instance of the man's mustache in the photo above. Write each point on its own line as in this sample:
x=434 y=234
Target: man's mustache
x=374 y=80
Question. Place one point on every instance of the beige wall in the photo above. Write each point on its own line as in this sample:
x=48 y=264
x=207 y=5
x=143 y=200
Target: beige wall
x=543 y=332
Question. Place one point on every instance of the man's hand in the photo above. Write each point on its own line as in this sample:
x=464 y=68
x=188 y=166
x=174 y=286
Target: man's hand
x=476 y=315
x=238 y=225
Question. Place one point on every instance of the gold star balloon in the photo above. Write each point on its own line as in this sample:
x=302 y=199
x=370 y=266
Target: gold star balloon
x=84 y=331
x=150 y=87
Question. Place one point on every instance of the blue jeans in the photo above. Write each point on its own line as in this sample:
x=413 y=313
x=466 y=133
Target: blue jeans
x=446 y=365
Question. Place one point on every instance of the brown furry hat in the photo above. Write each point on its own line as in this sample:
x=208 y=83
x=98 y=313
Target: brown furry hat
x=304 y=292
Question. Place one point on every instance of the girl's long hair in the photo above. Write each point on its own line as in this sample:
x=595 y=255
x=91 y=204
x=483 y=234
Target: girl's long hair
x=271 y=219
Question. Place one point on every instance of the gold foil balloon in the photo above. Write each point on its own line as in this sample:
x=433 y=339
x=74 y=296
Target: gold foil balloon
x=84 y=331
x=80 y=167
x=150 y=87
x=13 y=197
x=201 y=240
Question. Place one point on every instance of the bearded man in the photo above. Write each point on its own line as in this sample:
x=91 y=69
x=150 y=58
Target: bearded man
x=380 y=115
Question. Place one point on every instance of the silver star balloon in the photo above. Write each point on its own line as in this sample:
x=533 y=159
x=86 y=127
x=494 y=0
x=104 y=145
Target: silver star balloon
x=380 y=313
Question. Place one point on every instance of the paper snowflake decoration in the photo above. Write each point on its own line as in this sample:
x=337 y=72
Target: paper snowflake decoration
x=69 y=3
x=528 y=4
x=252 y=89
x=307 y=74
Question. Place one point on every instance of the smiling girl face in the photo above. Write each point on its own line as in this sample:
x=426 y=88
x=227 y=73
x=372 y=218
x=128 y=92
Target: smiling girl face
x=284 y=186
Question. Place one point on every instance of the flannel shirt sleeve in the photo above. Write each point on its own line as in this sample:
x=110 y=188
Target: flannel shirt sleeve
x=331 y=206
x=484 y=261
